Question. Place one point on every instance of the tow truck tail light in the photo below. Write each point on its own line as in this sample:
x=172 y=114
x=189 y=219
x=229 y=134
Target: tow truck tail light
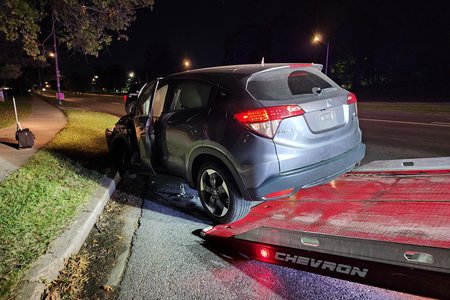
x=264 y=253
x=125 y=98
x=265 y=121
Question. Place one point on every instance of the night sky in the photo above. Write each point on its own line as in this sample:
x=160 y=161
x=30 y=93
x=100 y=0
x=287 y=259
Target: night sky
x=402 y=33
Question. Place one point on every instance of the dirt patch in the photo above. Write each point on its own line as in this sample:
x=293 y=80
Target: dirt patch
x=86 y=274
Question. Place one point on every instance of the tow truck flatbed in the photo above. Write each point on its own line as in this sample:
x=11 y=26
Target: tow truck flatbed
x=386 y=224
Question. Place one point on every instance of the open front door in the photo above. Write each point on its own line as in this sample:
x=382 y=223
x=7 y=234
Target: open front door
x=143 y=124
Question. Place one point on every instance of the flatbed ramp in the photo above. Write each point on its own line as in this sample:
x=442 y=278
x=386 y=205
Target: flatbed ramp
x=383 y=226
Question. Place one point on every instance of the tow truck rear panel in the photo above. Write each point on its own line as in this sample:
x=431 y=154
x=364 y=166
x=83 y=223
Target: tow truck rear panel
x=385 y=224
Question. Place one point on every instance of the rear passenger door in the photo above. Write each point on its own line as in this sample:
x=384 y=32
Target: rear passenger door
x=181 y=125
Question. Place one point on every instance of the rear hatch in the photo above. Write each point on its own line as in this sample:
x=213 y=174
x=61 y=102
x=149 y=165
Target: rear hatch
x=327 y=124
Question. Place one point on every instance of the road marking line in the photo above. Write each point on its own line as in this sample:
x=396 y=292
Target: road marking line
x=405 y=122
x=446 y=123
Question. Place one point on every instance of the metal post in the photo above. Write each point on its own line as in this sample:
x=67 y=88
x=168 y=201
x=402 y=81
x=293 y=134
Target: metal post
x=326 y=61
x=55 y=49
x=40 y=80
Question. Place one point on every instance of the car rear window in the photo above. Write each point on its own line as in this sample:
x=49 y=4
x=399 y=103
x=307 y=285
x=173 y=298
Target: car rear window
x=284 y=84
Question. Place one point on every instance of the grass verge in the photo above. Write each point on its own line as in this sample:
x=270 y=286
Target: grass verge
x=7 y=117
x=39 y=200
x=84 y=139
x=423 y=108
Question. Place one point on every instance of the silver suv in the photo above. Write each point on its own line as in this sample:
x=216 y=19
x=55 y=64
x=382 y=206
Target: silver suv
x=239 y=133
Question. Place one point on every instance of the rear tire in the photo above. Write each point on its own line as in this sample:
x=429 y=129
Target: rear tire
x=219 y=195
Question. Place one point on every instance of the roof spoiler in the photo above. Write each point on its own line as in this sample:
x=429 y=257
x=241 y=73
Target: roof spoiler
x=317 y=66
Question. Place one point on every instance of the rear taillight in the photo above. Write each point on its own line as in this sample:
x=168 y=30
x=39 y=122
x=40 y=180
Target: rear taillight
x=351 y=98
x=125 y=98
x=265 y=121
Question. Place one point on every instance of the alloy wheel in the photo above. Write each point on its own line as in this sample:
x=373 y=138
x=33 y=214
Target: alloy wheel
x=215 y=193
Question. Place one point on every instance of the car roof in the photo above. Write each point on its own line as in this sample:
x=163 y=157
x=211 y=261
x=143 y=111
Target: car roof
x=241 y=69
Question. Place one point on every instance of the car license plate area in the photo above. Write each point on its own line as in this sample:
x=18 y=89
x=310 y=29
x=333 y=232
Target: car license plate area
x=325 y=119
x=328 y=120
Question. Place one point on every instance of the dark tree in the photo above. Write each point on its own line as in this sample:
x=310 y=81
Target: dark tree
x=77 y=82
x=161 y=59
x=85 y=26
x=113 y=78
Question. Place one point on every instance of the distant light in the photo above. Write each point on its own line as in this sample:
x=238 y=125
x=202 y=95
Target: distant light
x=43 y=89
x=131 y=75
x=264 y=253
x=187 y=63
x=51 y=54
x=317 y=38
x=96 y=76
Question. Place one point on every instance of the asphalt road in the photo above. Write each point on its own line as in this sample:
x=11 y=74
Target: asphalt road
x=390 y=135
x=110 y=104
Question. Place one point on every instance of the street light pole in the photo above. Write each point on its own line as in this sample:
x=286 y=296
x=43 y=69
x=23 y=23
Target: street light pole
x=40 y=80
x=317 y=39
x=326 y=60
x=55 y=49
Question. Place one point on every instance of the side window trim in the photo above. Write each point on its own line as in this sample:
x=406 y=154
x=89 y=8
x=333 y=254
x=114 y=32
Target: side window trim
x=140 y=102
x=153 y=96
x=159 y=100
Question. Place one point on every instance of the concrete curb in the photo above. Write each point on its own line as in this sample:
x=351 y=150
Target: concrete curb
x=47 y=267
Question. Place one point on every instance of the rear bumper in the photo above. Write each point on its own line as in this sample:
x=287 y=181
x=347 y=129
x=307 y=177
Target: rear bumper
x=312 y=175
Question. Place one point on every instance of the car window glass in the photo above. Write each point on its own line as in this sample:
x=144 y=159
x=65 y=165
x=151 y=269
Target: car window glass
x=302 y=82
x=144 y=100
x=283 y=84
x=190 y=94
x=160 y=96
